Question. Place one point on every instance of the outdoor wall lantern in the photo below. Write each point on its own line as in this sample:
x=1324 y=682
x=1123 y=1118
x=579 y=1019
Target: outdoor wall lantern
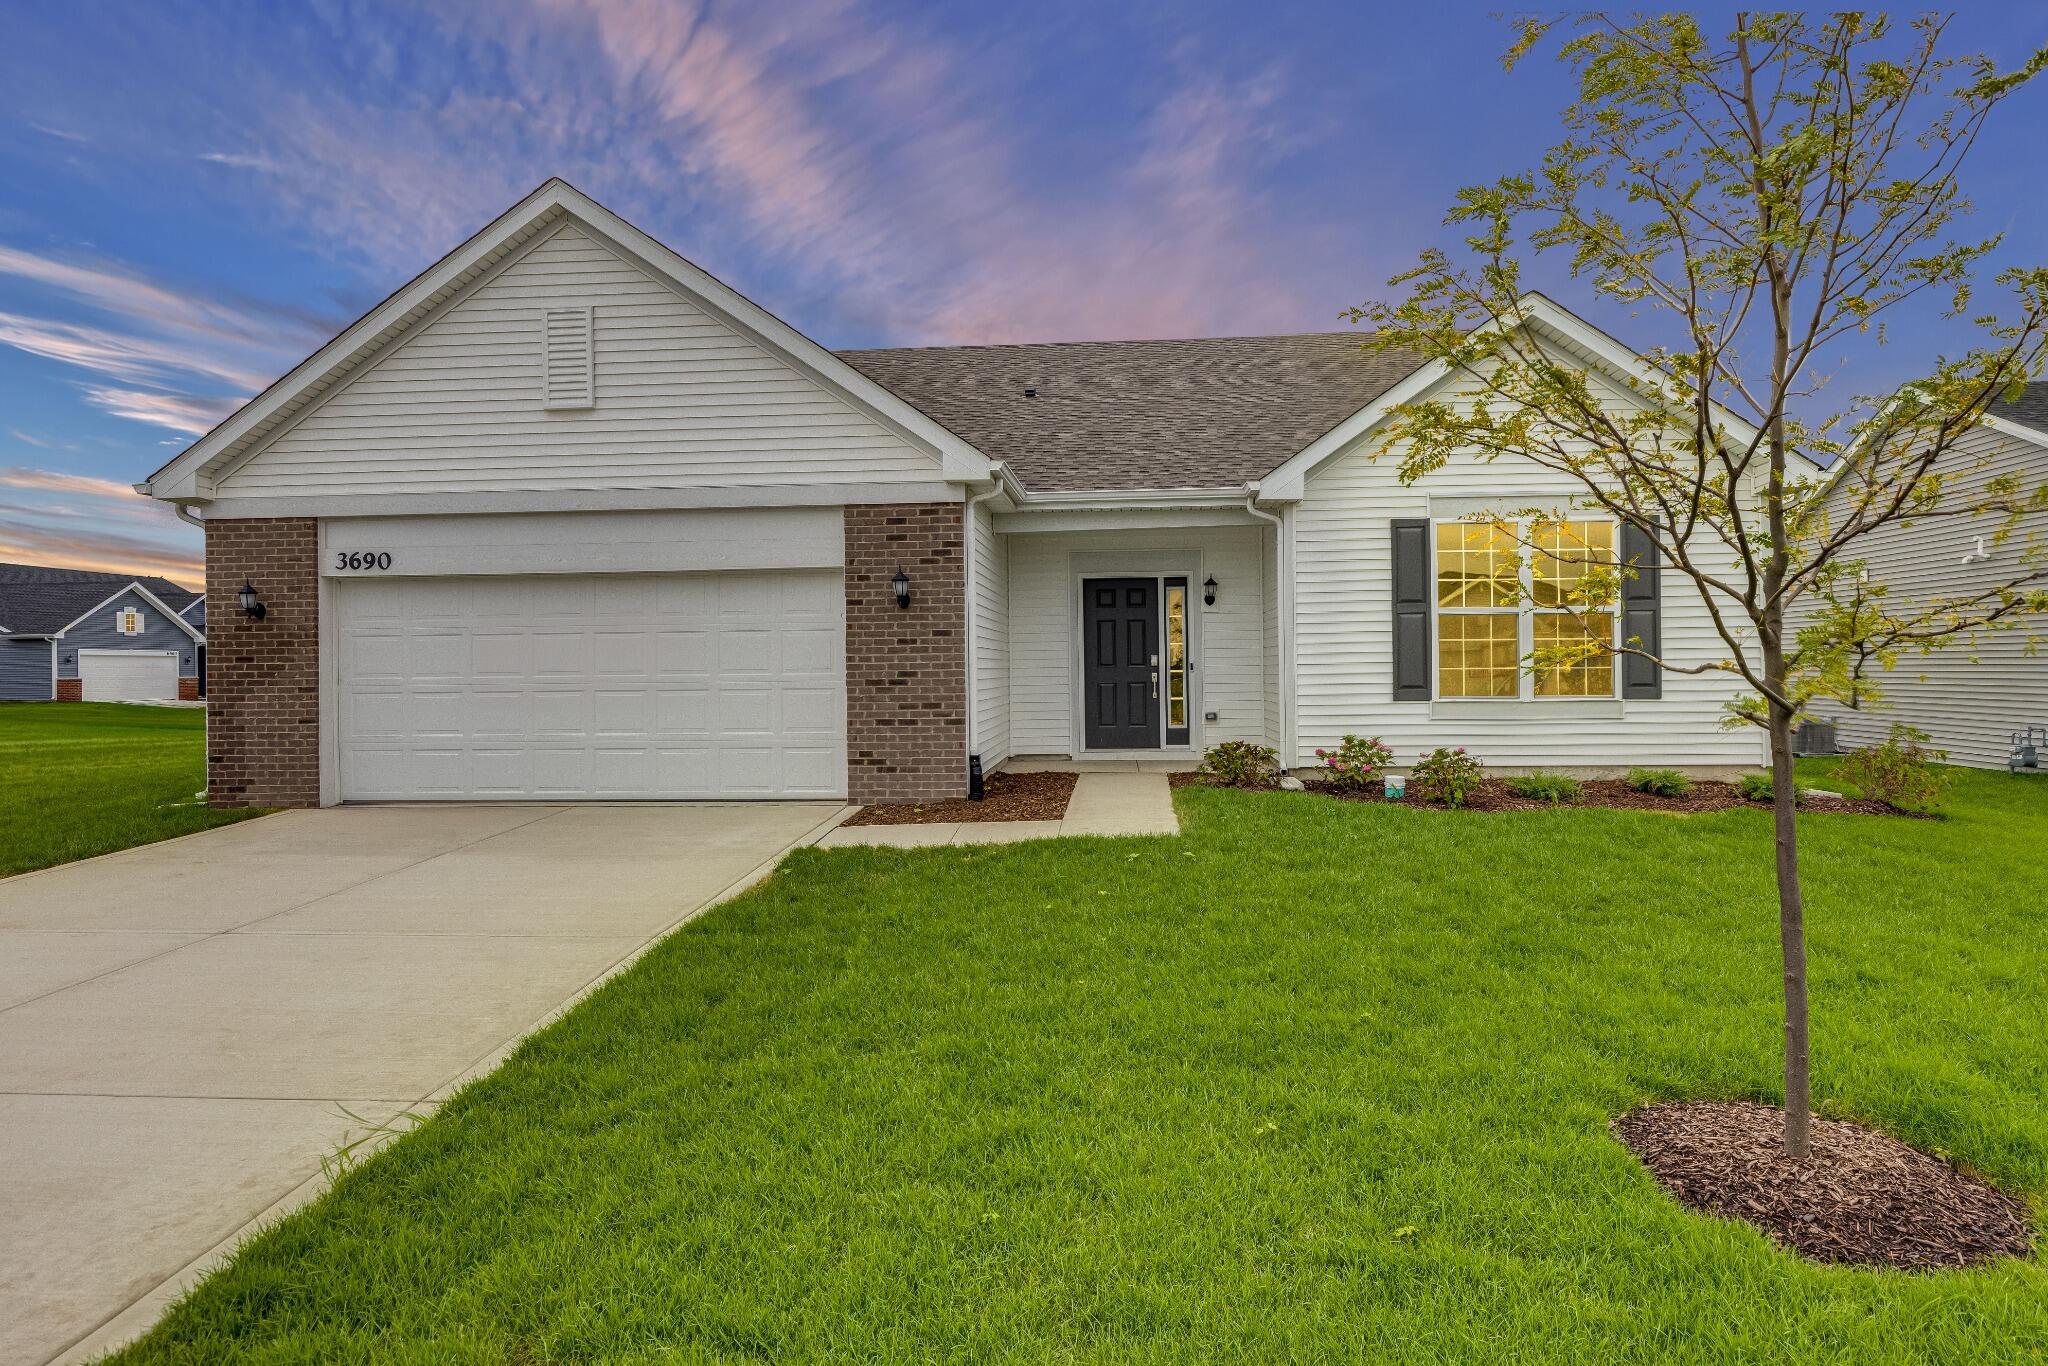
x=901 y=583
x=250 y=606
x=1209 y=591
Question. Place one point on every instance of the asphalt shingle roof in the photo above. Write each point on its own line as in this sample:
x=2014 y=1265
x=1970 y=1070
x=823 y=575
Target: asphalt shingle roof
x=40 y=600
x=2030 y=409
x=1200 y=413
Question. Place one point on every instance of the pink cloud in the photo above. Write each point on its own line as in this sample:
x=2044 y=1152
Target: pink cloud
x=177 y=412
x=90 y=548
x=120 y=355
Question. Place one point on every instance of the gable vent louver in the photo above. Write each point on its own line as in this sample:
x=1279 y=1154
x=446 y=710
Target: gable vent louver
x=568 y=359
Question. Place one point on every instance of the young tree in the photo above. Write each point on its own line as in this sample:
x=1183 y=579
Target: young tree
x=1769 y=197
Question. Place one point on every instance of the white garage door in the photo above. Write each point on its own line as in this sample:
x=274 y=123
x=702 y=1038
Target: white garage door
x=594 y=686
x=128 y=675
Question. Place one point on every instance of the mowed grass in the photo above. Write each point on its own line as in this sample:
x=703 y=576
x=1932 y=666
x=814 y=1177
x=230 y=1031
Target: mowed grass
x=85 y=778
x=1314 y=1082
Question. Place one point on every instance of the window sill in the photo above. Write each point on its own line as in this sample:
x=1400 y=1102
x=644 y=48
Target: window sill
x=1547 y=708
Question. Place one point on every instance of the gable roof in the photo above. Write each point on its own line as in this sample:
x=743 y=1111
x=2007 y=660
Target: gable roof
x=1193 y=413
x=40 y=600
x=188 y=478
x=2029 y=410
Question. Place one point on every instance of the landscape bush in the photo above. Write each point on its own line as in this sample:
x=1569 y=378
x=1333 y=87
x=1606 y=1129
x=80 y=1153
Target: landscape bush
x=1659 y=782
x=1355 y=763
x=1240 y=763
x=1555 y=788
x=1754 y=787
x=1448 y=777
x=1901 y=772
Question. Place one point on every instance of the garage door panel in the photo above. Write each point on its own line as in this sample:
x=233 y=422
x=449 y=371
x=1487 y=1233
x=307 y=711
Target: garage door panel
x=559 y=714
x=683 y=712
x=622 y=653
x=631 y=686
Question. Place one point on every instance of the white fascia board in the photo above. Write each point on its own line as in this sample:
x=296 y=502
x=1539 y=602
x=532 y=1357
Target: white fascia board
x=1286 y=483
x=186 y=478
x=148 y=597
x=1068 y=500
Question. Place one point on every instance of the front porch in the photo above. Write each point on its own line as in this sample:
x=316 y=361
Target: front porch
x=1128 y=647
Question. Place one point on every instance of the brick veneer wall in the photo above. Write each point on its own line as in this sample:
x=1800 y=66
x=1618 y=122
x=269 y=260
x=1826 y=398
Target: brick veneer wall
x=188 y=690
x=70 y=690
x=263 y=677
x=906 y=668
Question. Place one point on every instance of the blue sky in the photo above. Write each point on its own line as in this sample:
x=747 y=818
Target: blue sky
x=193 y=197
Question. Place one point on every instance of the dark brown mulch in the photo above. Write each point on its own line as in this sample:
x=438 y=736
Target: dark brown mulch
x=1706 y=795
x=1006 y=797
x=1861 y=1197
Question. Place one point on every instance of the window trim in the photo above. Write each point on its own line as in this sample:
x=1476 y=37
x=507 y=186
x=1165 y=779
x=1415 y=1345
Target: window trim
x=1525 y=612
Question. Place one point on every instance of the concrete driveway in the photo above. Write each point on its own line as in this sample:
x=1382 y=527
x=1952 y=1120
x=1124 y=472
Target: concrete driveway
x=186 y=1028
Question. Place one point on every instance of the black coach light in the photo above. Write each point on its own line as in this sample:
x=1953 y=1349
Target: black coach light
x=1209 y=591
x=250 y=606
x=901 y=583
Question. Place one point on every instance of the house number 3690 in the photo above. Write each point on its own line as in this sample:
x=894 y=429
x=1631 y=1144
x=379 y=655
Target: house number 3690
x=362 y=559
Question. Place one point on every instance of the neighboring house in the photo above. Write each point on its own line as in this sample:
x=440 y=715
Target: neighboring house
x=566 y=517
x=74 y=634
x=1971 y=694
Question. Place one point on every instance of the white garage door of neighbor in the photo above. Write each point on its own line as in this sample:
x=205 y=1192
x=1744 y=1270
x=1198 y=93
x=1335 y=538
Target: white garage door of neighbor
x=128 y=675
x=592 y=686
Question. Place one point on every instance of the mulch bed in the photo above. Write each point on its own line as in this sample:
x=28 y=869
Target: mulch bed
x=1005 y=797
x=1706 y=795
x=1860 y=1197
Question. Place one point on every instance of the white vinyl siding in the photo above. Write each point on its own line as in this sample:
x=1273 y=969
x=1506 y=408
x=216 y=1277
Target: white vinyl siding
x=991 y=588
x=1970 y=695
x=1230 y=640
x=682 y=400
x=1344 y=637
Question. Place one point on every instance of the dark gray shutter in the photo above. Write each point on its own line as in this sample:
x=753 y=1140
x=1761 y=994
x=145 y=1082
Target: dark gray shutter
x=1411 y=609
x=1639 y=615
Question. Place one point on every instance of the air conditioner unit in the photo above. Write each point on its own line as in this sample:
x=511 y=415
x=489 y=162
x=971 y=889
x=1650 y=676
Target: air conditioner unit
x=1814 y=738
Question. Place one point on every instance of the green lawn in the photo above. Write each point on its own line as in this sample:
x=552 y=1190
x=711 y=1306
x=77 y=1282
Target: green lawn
x=85 y=778
x=1315 y=1082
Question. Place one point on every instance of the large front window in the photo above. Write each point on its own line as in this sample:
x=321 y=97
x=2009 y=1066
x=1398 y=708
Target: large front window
x=1495 y=607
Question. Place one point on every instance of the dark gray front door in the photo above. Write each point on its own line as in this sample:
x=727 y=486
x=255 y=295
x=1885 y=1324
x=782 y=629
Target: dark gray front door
x=1121 y=625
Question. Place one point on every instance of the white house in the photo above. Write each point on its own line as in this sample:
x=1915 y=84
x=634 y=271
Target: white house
x=565 y=517
x=1973 y=693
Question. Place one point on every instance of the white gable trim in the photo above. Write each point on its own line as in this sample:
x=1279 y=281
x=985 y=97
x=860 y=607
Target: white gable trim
x=152 y=599
x=1286 y=483
x=190 y=477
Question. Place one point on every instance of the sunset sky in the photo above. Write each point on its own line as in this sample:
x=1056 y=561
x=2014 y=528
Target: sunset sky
x=193 y=197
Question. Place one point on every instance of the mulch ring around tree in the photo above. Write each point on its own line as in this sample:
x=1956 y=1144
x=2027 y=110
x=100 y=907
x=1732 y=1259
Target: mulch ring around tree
x=1005 y=797
x=1706 y=795
x=1859 y=1198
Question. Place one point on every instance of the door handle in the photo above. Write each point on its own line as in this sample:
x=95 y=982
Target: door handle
x=1155 y=682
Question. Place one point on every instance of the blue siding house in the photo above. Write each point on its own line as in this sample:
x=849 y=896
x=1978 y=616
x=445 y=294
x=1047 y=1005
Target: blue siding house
x=74 y=634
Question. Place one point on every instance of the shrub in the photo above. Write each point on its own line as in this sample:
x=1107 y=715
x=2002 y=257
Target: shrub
x=1240 y=763
x=1901 y=772
x=1554 y=788
x=1446 y=776
x=1754 y=787
x=1355 y=762
x=1659 y=782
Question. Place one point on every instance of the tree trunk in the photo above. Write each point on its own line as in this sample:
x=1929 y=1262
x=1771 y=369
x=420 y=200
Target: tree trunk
x=1791 y=937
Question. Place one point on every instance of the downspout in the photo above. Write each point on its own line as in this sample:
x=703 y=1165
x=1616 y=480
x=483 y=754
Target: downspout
x=973 y=641
x=186 y=514
x=1283 y=603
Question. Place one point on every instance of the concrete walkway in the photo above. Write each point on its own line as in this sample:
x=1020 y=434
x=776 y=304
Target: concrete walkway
x=187 y=1028
x=1119 y=803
